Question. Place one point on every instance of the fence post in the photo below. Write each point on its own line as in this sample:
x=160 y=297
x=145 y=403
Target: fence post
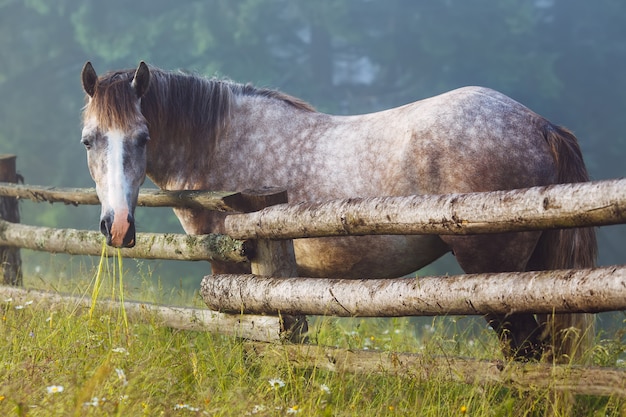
x=275 y=258
x=10 y=258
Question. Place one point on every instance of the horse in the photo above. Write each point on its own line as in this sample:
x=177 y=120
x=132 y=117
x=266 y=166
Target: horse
x=189 y=132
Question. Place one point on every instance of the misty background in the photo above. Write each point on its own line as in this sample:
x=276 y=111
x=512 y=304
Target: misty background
x=565 y=59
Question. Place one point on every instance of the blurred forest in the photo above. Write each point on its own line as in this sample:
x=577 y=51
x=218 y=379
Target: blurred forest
x=565 y=59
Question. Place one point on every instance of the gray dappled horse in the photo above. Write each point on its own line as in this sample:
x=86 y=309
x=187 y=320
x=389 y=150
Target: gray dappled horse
x=188 y=132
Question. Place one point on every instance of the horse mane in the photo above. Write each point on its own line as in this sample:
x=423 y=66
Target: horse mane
x=189 y=103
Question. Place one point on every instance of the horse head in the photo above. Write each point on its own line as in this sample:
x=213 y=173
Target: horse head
x=115 y=134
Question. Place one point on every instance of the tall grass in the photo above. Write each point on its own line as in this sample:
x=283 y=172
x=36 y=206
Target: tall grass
x=106 y=367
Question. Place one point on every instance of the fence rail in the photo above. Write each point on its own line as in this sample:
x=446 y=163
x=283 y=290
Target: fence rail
x=210 y=200
x=260 y=328
x=567 y=291
x=172 y=246
x=597 y=203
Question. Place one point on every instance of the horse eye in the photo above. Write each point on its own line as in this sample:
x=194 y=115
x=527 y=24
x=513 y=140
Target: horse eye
x=143 y=139
x=86 y=142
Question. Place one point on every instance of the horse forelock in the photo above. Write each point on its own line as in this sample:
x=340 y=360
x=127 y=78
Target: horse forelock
x=114 y=102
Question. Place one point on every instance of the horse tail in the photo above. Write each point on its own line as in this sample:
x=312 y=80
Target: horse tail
x=572 y=334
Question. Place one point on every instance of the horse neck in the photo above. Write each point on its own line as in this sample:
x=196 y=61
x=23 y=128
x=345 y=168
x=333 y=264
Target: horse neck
x=173 y=159
x=173 y=155
x=184 y=116
x=182 y=156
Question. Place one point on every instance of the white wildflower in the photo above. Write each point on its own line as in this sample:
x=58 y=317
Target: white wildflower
x=55 y=389
x=276 y=383
x=293 y=410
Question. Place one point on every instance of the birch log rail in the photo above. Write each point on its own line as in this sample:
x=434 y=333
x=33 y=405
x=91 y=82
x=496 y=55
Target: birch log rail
x=149 y=245
x=259 y=328
x=210 y=200
x=566 y=291
x=597 y=203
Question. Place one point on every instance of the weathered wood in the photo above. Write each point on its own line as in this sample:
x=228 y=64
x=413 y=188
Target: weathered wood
x=522 y=376
x=576 y=291
x=210 y=200
x=10 y=258
x=538 y=208
x=260 y=328
x=275 y=257
x=148 y=245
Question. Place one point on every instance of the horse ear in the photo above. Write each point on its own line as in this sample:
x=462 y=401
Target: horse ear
x=89 y=78
x=141 y=80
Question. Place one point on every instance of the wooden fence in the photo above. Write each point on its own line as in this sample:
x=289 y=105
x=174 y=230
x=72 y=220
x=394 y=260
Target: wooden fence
x=538 y=208
x=260 y=232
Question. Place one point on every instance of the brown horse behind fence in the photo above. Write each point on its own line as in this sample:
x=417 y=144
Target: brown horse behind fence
x=189 y=132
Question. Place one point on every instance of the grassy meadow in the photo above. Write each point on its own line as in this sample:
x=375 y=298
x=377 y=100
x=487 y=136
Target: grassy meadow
x=70 y=361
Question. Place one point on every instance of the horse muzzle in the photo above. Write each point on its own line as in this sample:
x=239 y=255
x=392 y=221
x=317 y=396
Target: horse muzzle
x=119 y=229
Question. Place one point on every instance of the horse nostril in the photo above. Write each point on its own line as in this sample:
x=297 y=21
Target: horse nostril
x=105 y=226
x=129 y=238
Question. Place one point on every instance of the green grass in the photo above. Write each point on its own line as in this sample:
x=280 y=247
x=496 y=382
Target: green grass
x=146 y=369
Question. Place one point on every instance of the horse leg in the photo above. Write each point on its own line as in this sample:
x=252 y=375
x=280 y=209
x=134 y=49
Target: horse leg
x=519 y=333
x=508 y=252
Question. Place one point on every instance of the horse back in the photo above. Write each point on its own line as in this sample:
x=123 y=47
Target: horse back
x=475 y=139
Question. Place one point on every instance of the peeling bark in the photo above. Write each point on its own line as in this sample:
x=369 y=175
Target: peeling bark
x=148 y=245
x=539 y=208
x=574 y=291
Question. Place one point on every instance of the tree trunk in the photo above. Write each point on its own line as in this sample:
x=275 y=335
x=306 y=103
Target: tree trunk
x=538 y=208
x=577 y=291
